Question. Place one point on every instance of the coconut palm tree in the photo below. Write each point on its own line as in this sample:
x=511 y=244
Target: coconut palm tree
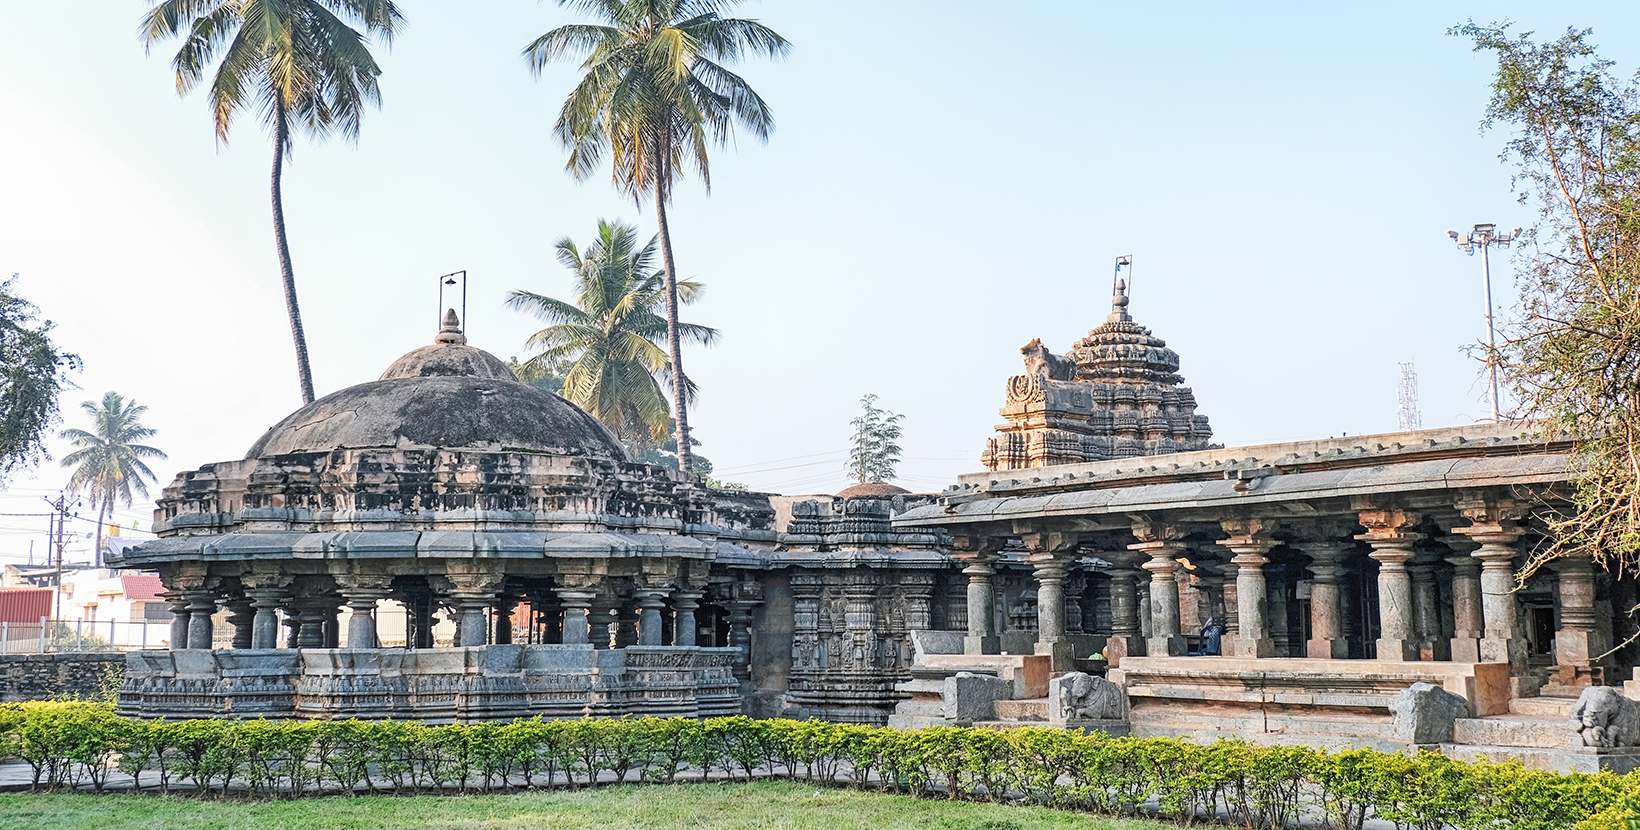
x=609 y=336
x=108 y=462
x=299 y=63
x=653 y=95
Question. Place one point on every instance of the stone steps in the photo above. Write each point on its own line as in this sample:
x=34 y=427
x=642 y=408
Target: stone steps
x=1533 y=757
x=1547 y=708
x=1034 y=710
x=1512 y=730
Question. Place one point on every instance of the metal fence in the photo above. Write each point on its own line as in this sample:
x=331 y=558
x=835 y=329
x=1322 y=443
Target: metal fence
x=49 y=635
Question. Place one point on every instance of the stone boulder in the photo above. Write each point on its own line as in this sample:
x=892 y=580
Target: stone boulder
x=1424 y=713
x=1604 y=717
x=1079 y=696
x=972 y=697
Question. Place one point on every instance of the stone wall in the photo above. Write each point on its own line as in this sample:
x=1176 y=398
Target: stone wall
x=47 y=676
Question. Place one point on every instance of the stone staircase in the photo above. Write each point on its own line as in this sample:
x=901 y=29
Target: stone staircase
x=1536 y=730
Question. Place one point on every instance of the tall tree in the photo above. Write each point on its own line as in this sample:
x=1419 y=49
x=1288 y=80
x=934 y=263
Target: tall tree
x=874 y=452
x=1573 y=354
x=33 y=372
x=300 y=63
x=108 y=462
x=654 y=94
x=606 y=342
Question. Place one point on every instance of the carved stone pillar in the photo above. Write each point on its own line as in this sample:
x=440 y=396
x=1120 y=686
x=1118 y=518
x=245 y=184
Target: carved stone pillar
x=1141 y=598
x=1579 y=643
x=1466 y=599
x=265 y=623
x=747 y=595
x=361 y=593
x=1426 y=609
x=576 y=603
x=685 y=630
x=650 y=603
x=982 y=637
x=1250 y=542
x=1125 y=637
x=240 y=616
x=1160 y=543
x=504 y=607
x=473 y=593
x=1048 y=559
x=625 y=626
x=1326 y=606
x=1232 y=606
x=178 y=600
x=1502 y=643
x=1390 y=534
x=201 y=605
x=310 y=624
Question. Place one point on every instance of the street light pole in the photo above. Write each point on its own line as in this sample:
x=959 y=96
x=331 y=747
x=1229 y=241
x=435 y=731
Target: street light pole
x=1484 y=237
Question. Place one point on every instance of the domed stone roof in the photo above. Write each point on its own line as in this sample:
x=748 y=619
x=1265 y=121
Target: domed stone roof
x=448 y=395
x=873 y=488
x=1122 y=350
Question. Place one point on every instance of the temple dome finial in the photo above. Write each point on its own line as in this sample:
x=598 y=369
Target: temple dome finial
x=1118 y=305
x=451 y=332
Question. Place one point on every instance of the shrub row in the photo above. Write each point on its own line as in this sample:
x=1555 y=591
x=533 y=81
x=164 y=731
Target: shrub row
x=80 y=744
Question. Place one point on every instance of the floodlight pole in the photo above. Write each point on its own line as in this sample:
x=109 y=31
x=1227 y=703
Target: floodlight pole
x=1484 y=237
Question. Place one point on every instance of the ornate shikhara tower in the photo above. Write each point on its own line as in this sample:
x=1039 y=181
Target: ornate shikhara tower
x=1116 y=395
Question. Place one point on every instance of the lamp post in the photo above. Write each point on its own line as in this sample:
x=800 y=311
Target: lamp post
x=1484 y=237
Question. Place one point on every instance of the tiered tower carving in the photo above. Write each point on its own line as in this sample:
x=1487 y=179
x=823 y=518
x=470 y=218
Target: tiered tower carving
x=1117 y=394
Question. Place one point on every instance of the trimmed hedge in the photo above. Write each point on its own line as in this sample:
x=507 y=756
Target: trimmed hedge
x=80 y=744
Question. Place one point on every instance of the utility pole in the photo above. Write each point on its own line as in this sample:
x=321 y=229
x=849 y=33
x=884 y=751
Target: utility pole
x=1483 y=237
x=61 y=506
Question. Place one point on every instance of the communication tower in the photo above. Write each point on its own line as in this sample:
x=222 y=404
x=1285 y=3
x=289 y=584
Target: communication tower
x=1411 y=418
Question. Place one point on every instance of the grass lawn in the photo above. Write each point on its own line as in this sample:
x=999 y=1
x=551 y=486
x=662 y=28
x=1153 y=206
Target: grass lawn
x=758 y=805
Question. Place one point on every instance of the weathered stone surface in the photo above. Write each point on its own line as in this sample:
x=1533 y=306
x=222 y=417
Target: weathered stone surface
x=46 y=676
x=970 y=697
x=1604 y=717
x=1424 y=713
x=1081 y=696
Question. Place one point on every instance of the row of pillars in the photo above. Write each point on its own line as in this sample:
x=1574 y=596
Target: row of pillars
x=1482 y=593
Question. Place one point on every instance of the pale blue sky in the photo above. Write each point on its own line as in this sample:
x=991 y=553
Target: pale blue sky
x=947 y=180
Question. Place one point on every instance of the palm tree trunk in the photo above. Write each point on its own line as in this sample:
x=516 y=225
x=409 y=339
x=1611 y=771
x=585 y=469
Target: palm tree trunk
x=673 y=340
x=303 y=373
x=96 y=553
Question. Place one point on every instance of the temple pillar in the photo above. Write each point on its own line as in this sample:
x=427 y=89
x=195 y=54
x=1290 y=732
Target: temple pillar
x=503 y=611
x=1250 y=543
x=982 y=637
x=746 y=595
x=576 y=626
x=1579 y=644
x=1502 y=642
x=1141 y=597
x=1390 y=534
x=201 y=605
x=685 y=629
x=1326 y=601
x=361 y=594
x=178 y=600
x=650 y=603
x=600 y=618
x=1160 y=543
x=1426 y=609
x=1124 y=638
x=1467 y=620
x=310 y=625
x=473 y=591
x=1048 y=560
x=1232 y=605
x=265 y=622
x=627 y=619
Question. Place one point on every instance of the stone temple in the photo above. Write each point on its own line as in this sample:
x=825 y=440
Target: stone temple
x=448 y=544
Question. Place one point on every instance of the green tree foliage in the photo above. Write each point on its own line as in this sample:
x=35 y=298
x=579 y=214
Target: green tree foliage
x=299 y=63
x=607 y=340
x=107 y=460
x=33 y=372
x=873 y=453
x=654 y=95
x=1573 y=355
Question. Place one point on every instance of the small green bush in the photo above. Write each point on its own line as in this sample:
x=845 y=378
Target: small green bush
x=78 y=744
